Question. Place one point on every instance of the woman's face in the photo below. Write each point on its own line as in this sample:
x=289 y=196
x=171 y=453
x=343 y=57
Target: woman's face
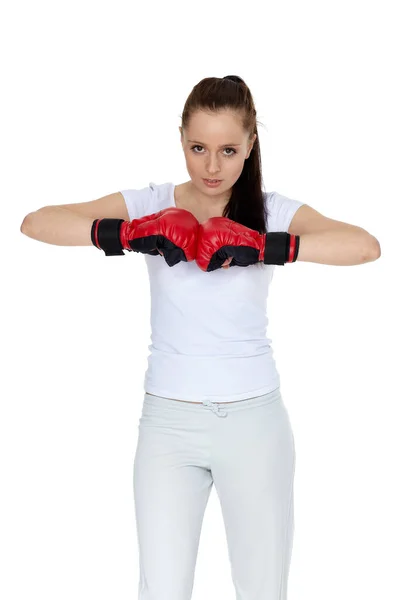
x=215 y=147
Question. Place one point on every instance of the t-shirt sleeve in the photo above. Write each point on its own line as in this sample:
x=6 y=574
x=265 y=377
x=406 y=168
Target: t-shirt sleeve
x=282 y=210
x=139 y=202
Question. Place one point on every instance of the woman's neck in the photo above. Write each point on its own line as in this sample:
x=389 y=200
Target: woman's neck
x=204 y=202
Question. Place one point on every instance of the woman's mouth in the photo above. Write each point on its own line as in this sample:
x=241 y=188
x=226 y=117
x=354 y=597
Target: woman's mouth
x=212 y=182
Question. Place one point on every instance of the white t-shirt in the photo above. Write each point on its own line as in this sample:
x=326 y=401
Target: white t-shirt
x=208 y=330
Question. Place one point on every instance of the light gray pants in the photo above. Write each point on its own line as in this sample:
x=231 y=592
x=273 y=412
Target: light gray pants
x=246 y=448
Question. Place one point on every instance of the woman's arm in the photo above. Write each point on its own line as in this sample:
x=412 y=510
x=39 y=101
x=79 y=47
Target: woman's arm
x=350 y=246
x=70 y=224
x=330 y=242
x=59 y=226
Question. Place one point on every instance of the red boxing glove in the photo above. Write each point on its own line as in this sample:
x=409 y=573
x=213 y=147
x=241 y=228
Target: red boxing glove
x=172 y=230
x=220 y=238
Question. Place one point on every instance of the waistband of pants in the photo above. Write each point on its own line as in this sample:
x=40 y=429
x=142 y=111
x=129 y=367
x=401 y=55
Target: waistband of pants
x=221 y=409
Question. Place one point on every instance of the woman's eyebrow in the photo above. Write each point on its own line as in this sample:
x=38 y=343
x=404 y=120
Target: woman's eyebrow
x=222 y=146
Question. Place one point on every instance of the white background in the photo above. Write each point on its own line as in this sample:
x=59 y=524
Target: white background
x=91 y=103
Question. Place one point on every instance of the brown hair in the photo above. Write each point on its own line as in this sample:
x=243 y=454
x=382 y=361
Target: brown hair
x=246 y=204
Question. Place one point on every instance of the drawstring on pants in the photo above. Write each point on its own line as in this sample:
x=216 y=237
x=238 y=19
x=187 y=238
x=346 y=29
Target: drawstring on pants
x=215 y=408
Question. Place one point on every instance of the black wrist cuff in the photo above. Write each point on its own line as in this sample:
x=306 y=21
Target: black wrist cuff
x=277 y=244
x=108 y=236
x=277 y=248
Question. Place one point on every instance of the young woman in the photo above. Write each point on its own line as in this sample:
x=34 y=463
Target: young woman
x=212 y=411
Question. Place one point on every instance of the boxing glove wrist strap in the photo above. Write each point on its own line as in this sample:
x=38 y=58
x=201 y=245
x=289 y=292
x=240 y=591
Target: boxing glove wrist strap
x=280 y=248
x=105 y=235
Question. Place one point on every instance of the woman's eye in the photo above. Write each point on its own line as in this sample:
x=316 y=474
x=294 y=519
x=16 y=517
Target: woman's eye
x=232 y=149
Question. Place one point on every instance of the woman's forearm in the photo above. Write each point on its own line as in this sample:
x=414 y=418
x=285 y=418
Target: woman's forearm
x=338 y=247
x=59 y=226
